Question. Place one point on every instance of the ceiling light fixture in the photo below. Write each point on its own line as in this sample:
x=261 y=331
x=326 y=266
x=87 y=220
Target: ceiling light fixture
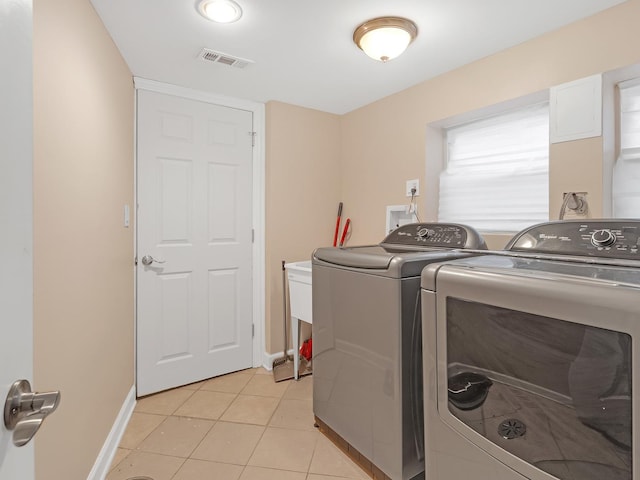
x=221 y=11
x=385 y=38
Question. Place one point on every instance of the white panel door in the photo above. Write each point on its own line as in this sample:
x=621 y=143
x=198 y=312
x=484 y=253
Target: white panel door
x=194 y=300
x=16 y=220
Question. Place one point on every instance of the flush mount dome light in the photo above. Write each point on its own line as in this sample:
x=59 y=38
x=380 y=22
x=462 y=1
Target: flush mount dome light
x=385 y=38
x=221 y=11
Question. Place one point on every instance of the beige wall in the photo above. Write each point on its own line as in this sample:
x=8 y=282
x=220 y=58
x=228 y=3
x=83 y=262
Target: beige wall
x=83 y=256
x=303 y=191
x=384 y=143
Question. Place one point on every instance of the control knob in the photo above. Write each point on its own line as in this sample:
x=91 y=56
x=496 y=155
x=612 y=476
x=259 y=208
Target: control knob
x=603 y=238
x=425 y=233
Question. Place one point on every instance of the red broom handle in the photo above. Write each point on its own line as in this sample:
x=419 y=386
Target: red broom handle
x=344 y=232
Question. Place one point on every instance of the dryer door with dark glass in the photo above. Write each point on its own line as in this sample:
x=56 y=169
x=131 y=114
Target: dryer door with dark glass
x=538 y=372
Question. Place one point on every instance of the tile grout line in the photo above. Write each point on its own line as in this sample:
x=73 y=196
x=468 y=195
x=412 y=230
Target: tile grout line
x=184 y=459
x=261 y=436
x=244 y=467
x=236 y=395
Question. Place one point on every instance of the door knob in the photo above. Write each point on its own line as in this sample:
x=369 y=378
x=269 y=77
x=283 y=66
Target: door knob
x=24 y=410
x=148 y=260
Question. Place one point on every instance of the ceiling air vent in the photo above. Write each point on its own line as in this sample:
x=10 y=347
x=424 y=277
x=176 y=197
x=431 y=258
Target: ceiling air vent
x=225 y=59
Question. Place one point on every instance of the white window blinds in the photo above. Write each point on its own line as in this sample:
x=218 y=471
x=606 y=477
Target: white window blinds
x=626 y=172
x=630 y=119
x=497 y=172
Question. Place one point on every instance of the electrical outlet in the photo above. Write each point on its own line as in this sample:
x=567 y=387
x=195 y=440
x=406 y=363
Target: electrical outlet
x=411 y=184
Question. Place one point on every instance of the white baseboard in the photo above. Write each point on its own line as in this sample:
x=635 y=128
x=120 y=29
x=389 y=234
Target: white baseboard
x=268 y=358
x=105 y=457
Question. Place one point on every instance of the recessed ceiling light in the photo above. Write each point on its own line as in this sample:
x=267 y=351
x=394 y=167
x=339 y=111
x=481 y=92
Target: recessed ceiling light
x=221 y=11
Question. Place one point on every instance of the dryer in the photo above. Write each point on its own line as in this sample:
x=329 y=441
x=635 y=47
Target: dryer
x=367 y=361
x=528 y=357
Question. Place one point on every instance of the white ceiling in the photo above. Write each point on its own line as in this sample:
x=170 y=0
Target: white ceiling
x=304 y=53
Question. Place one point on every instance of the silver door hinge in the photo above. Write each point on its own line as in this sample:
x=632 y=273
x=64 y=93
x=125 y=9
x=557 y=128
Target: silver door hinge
x=253 y=330
x=253 y=235
x=253 y=138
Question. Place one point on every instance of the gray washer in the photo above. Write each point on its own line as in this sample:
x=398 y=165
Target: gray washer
x=367 y=353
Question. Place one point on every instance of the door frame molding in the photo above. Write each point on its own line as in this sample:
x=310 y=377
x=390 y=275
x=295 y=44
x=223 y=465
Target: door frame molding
x=258 y=201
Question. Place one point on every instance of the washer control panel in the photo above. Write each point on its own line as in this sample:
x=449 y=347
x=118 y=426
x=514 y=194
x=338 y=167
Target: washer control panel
x=442 y=235
x=596 y=238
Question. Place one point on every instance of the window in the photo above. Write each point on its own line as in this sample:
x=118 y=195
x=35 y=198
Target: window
x=626 y=172
x=497 y=171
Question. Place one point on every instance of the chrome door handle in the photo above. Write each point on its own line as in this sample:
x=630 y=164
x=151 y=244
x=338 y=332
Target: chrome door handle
x=24 y=410
x=148 y=260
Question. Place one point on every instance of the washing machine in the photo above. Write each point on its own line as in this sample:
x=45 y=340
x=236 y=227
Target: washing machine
x=367 y=362
x=529 y=357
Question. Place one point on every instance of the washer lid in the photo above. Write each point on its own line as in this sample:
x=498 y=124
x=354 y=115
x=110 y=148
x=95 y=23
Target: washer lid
x=367 y=256
x=384 y=261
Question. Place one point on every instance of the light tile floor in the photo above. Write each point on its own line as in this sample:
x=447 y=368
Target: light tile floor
x=241 y=426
